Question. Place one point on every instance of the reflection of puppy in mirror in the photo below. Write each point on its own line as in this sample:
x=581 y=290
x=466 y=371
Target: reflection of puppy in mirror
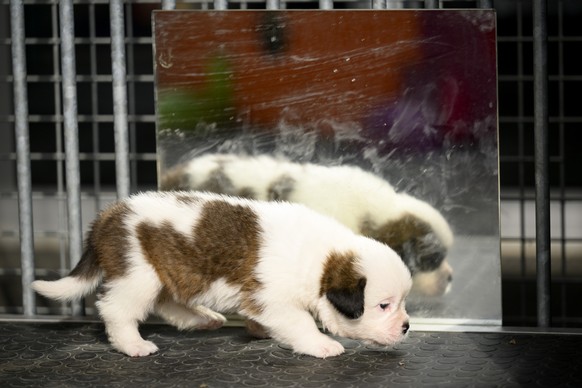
x=360 y=200
x=190 y=256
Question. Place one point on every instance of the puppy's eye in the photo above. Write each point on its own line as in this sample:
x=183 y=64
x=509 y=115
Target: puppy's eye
x=384 y=306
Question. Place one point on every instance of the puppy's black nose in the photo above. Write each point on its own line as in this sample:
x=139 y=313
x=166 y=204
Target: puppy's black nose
x=405 y=327
x=450 y=278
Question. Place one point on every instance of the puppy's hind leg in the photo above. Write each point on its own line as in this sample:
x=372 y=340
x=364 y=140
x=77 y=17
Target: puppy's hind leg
x=124 y=303
x=184 y=318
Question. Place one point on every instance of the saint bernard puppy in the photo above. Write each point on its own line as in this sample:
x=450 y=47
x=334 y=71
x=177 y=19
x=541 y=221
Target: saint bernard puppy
x=190 y=256
x=360 y=200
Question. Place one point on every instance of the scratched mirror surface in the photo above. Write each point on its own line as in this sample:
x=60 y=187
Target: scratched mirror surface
x=384 y=120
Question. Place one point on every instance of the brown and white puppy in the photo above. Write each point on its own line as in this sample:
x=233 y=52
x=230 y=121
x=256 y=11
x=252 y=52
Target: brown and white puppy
x=360 y=200
x=191 y=256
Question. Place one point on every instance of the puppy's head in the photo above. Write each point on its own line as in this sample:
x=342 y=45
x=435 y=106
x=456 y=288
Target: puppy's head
x=362 y=294
x=422 y=240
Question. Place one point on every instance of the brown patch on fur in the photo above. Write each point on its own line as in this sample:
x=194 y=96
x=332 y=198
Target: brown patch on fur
x=219 y=182
x=339 y=271
x=225 y=244
x=105 y=245
x=246 y=192
x=396 y=233
x=281 y=188
x=175 y=179
x=88 y=267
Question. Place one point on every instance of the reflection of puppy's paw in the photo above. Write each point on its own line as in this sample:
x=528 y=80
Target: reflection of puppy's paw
x=320 y=347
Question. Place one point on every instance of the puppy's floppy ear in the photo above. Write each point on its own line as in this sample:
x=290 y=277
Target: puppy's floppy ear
x=343 y=285
x=430 y=252
x=424 y=253
x=413 y=239
x=348 y=301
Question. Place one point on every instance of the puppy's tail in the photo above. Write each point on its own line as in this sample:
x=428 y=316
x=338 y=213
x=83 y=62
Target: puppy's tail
x=82 y=280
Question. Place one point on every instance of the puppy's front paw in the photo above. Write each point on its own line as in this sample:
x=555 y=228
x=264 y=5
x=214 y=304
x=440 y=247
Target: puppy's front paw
x=137 y=348
x=321 y=347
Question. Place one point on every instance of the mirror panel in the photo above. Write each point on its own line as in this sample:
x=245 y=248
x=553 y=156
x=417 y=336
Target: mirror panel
x=385 y=120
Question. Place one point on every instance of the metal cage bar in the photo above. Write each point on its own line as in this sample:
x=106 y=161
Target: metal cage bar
x=67 y=32
x=60 y=147
x=378 y=4
x=22 y=156
x=272 y=4
x=94 y=107
x=118 y=68
x=562 y=153
x=220 y=4
x=542 y=163
x=521 y=156
x=168 y=4
x=325 y=4
x=431 y=4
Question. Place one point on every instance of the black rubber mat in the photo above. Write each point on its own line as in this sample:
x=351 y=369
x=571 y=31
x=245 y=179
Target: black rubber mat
x=78 y=355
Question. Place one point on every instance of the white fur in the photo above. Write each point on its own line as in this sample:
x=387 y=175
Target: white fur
x=66 y=289
x=220 y=296
x=295 y=243
x=156 y=209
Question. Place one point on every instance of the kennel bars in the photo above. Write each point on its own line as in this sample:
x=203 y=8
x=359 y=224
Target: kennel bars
x=542 y=164
x=121 y=133
x=22 y=155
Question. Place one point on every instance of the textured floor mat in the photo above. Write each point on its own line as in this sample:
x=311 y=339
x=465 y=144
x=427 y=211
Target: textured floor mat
x=78 y=354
